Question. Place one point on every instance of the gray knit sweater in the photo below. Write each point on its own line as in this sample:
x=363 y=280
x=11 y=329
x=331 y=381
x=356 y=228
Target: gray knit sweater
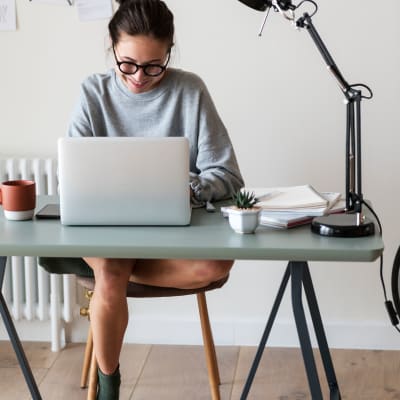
x=179 y=106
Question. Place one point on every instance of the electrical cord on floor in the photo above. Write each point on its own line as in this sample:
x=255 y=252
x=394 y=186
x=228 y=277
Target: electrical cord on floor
x=388 y=303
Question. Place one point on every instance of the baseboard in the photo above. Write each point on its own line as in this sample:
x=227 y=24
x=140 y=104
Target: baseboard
x=244 y=332
x=35 y=331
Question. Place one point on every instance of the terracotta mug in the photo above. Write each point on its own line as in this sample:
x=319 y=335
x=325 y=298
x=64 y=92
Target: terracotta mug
x=18 y=199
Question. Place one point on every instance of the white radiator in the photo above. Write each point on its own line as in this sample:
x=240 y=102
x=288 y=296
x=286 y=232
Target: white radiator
x=32 y=293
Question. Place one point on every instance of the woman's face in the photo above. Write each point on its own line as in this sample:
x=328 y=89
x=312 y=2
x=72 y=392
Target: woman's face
x=141 y=50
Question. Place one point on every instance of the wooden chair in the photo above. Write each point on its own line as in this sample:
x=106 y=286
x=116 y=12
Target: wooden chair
x=86 y=280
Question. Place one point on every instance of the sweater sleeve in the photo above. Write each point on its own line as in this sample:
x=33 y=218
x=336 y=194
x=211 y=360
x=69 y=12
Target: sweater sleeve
x=80 y=119
x=218 y=174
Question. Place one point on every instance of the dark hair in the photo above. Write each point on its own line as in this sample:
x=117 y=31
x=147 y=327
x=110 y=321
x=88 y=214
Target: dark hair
x=142 y=17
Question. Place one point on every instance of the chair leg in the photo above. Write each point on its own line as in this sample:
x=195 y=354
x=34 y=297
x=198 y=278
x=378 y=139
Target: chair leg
x=84 y=312
x=89 y=362
x=92 y=390
x=87 y=359
x=209 y=347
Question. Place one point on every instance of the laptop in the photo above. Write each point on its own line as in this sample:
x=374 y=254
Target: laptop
x=124 y=181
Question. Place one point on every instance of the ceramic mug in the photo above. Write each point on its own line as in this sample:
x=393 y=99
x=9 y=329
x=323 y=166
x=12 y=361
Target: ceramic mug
x=18 y=199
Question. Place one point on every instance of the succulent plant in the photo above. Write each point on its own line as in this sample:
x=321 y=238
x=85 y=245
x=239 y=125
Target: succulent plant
x=244 y=199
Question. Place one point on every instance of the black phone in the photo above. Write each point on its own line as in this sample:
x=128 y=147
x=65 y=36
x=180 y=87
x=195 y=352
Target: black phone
x=49 y=211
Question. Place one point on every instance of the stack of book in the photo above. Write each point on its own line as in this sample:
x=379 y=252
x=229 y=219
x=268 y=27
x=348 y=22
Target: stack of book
x=287 y=207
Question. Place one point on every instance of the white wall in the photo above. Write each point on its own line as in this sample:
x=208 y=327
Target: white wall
x=286 y=118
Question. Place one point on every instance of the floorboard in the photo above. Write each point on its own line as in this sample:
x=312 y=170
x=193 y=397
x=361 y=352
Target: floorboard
x=164 y=372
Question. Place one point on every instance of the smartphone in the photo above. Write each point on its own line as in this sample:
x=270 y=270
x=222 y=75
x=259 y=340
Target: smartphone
x=49 y=211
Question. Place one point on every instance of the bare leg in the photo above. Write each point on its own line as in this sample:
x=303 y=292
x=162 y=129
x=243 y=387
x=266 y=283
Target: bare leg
x=183 y=274
x=108 y=307
x=109 y=310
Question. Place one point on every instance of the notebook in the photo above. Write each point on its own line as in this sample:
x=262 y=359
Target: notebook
x=290 y=198
x=124 y=181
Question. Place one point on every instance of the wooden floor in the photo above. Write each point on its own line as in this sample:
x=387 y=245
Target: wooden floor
x=179 y=373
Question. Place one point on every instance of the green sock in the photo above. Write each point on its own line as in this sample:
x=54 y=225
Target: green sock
x=108 y=385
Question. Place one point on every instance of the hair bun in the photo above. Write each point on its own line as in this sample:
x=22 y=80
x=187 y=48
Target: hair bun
x=120 y=2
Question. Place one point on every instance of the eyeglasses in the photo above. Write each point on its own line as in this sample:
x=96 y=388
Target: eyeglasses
x=130 y=68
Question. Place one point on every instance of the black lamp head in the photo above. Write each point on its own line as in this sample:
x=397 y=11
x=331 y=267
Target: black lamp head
x=260 y=5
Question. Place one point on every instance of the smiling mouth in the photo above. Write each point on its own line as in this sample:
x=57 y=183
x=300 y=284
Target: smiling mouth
x=137 y=84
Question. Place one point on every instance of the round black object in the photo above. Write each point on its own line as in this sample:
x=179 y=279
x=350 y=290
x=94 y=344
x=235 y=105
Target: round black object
x=395 y=282
x=259 y=5
x=342 y=225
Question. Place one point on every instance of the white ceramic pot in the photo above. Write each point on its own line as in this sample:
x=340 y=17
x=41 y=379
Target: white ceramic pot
x=244 y=220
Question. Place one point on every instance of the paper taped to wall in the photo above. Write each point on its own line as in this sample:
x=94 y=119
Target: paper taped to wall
x=8 y=17
x=90 y=10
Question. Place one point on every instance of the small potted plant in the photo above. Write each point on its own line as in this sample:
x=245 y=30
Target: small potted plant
x=244 y=215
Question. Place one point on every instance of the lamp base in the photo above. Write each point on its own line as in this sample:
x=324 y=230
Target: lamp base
x=342 y=225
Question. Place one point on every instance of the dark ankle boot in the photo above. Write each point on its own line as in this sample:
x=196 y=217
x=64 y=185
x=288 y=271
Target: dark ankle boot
x=108 y=385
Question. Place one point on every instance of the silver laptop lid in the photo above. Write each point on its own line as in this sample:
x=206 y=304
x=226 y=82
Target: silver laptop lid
x=124 y=181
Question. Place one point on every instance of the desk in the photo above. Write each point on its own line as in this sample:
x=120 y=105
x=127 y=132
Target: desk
x=208 y=237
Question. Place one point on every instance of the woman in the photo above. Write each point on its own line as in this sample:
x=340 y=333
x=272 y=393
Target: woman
x=141 y=96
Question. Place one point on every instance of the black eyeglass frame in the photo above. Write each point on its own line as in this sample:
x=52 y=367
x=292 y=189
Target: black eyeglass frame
x=143 y=67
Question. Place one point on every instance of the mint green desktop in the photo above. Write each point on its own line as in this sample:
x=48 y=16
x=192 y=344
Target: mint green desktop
x=208 y=237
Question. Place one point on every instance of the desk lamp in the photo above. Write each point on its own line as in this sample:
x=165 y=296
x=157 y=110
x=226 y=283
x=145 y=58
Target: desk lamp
x=352 y=223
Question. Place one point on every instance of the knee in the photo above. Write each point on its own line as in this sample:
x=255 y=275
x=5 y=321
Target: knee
x=210 y=271
x=111 y=278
